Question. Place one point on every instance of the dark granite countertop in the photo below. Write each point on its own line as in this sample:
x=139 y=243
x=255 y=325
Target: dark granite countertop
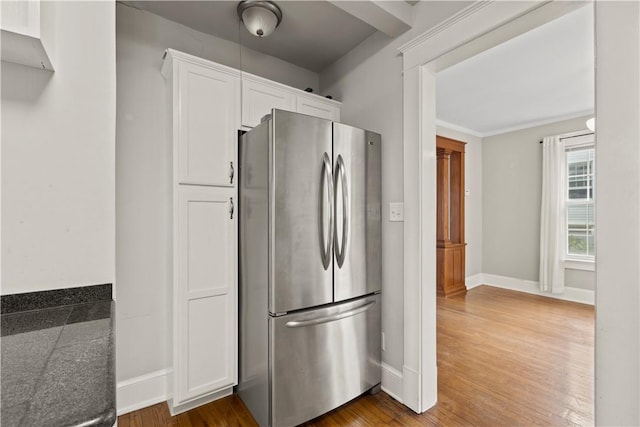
x=57 y=366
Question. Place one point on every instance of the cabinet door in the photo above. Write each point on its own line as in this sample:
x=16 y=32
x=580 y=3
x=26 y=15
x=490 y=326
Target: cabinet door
x=259 y=98
x=208 y=122
x=205 y=298
x=317 y=107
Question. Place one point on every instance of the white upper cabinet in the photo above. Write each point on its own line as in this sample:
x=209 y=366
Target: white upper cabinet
x=22 y=38
x=318 y=107
x=209 y=117
x=259 y=96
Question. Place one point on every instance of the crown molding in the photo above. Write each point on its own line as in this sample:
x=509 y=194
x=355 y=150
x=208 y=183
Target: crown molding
x=449 y=22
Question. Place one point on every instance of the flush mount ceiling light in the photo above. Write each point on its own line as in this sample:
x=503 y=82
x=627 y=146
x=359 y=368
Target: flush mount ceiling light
x=591 y=124
x=259 y=17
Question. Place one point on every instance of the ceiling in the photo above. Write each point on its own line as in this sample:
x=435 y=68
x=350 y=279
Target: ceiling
x=542 y=76
x=312 y=35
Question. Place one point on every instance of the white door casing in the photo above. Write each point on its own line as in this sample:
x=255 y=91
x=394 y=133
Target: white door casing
x=474 y=29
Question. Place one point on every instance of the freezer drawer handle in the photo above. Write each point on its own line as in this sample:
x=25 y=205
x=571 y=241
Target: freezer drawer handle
x=328 y=239
x=333 y=317
x=340 y=249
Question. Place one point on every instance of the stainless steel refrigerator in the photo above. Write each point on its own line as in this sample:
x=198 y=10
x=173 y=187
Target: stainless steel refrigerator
x=310 y=267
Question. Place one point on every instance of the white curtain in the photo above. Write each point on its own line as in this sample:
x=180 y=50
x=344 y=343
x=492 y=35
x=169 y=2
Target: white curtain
x=552 y=217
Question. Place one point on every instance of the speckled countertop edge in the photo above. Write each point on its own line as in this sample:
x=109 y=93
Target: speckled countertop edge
x=14 y=303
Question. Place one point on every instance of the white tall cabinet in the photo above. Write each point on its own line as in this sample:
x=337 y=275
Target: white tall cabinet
x=207 y=105
x=204 y=118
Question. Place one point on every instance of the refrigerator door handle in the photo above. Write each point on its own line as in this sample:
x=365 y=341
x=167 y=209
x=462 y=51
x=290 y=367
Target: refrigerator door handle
x=331 y=318
x=341 y=248
x=327 y=241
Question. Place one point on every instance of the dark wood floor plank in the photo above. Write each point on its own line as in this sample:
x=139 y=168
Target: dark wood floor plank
x=505 y=358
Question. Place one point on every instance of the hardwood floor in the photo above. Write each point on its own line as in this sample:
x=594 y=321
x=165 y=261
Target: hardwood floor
x=504 y=359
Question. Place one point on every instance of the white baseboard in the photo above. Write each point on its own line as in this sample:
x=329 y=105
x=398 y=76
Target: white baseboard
x=584 y=296
x=410 y=386
x=392 y=382
x=140 y=392
x=473 y=281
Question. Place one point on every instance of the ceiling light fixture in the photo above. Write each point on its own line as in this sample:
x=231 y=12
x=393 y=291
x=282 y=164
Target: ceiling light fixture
x=259 y=17
x=591 y=124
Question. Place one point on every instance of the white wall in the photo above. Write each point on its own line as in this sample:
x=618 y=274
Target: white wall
x=368 y=81
x=512 y=190
x=617 y=361
x=473 y=201
x=142 y=180
x=58 y=138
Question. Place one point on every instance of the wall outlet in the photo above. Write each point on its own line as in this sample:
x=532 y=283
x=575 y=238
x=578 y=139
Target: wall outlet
x=396 y=211
x=382 y=342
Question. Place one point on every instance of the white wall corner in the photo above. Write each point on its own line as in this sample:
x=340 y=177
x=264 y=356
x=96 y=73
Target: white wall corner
x=392 y=382
x=140 y=392
x=583 y=296
x=474 y=281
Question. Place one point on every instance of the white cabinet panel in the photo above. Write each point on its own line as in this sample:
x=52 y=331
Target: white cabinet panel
x=318 y=107
x=259 y=98
x=205 y=300
x=207 y=367
x=204 y=231
x=208 y=122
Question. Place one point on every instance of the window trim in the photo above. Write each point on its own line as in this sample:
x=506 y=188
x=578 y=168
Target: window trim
x=573 y=141
x=580 y=264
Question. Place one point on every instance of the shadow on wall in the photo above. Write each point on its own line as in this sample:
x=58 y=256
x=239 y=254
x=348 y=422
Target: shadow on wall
x=28 y=87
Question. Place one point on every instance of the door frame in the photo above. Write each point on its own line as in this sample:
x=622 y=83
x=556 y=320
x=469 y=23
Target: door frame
x=474 y=29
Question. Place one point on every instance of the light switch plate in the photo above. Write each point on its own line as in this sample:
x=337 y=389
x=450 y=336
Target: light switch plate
x=396 y=211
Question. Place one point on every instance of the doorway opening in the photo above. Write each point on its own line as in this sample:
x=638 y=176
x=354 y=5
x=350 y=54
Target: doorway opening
x=478 y=29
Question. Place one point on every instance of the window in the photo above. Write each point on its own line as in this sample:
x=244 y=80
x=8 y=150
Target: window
x=580 y=212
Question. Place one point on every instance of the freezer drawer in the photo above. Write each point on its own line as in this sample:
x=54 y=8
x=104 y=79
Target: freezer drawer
x=321 y=359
